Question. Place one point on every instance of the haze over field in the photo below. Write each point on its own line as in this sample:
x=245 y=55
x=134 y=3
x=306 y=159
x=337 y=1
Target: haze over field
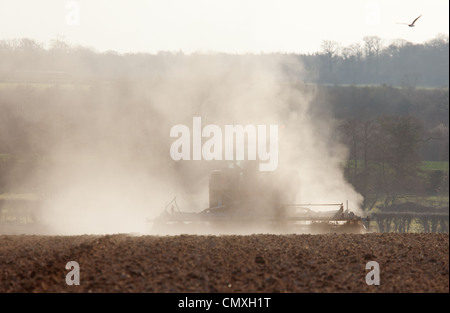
x=111 y=168
x=100 y=144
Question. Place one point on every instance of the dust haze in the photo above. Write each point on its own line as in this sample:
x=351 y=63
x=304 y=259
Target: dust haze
x=109 y=168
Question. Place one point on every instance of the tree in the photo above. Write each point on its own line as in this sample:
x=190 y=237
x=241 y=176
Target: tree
x=399 y=143
x=330 y=48
x=373 y=45
x=384 y=157
x=59 y=44
x=361 y=138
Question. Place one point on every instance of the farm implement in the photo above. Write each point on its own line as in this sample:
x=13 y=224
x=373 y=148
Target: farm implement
x=249 y=201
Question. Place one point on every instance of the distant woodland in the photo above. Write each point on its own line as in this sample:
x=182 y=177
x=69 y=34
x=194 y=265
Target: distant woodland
x=372 y=62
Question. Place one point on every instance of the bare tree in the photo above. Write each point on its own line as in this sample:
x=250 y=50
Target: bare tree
x=401 y=137
x=357 y=51
x=330 y=48
x=373 y=47
x=59 y=44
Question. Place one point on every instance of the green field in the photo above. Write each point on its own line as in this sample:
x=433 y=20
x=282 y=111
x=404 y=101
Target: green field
x=426 y=165
x=434 y=166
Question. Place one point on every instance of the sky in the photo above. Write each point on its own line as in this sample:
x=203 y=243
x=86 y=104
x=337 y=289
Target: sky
x=230 y=26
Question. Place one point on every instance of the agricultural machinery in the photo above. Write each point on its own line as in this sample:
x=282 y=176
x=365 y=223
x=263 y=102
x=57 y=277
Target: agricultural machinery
x=245 y=200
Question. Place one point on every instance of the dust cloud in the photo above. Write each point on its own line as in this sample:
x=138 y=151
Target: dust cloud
x=109 y=168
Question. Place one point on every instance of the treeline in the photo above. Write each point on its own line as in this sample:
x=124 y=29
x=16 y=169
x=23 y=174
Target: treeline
x=374 y=61
x=429 y=108
x=384 y=159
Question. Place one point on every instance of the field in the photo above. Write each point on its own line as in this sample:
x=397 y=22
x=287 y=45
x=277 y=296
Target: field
x=225 y=264
x=434 y=166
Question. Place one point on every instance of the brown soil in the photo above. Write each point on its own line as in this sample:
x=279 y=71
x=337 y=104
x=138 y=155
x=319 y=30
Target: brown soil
x=255 y=263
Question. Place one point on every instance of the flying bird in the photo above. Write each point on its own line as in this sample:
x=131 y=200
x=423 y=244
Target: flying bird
x=412 y=24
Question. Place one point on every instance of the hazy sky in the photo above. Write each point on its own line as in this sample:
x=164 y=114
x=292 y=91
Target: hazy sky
x=234 y=26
